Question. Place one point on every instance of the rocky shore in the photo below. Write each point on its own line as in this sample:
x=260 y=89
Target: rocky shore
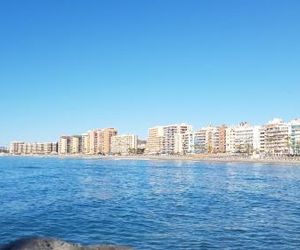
x=54 y=244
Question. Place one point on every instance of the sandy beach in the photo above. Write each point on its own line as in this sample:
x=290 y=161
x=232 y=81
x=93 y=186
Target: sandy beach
x=196 y=158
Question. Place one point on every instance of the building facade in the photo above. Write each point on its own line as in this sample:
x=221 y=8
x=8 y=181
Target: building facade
x=124 y=144
x=98 y=141
x=168 y=139
x=172 y=142
x=22 y=148
x=295 y=137
x=64 y=145
x=155 y=140
x=277 y=138
x=200 y=142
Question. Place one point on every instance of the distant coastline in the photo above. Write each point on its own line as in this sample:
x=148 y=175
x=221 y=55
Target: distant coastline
x=193 y=158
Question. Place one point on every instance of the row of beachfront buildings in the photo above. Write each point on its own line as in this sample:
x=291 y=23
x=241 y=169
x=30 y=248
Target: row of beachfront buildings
x=98 y=141
x=274 y=138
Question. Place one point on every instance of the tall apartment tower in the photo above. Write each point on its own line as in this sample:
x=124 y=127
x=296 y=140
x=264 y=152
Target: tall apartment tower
x=173 y=138
x=277 y=138
x=222 y=139
x=92 y=142
x=167 y=139
x=188 y=143
x=104 y=137
x=64 y=145
x=200 y=141
x=295 y=136
x=76 y=144
x=85 y=143
x=211 y=139
x=155 y=140
x=98 y=141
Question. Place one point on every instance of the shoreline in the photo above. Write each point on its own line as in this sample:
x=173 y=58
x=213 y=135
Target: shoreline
x=194 y=158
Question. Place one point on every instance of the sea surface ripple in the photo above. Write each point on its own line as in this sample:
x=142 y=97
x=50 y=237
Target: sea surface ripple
x=151 y=204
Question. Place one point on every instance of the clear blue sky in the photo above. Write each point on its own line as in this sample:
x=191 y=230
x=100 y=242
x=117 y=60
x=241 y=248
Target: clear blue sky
x=68 y=66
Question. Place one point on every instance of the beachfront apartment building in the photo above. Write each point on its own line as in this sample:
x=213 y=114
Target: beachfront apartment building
x=277 y=138
x=155 y=140
x=4 y=150
x=243 y=139
x=261 y=148
x=170 y=137
x=210 y=140
x=274 y=138
x=22 y=148
x=72 y=144
x=99 y=140
x=294 y=127
x=187 y=143
x=50 y=148
x=216 y=139
x=167 y=139
x=230 y=136
x=85 y=143
x=93 y=141
x=76 y=144
x=16 y=147
x=124 y=144
x=64 y=145
x=172 y=142
x=222 y=139
x=105 y=140
x=200 y=141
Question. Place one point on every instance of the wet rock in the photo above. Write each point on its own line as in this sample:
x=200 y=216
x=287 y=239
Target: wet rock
x=53 y=244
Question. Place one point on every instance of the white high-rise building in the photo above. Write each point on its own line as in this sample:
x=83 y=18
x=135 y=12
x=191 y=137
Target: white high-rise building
x=85 y=143
x=230 y=137
x=294 y=127
x=200 y=146
x=124 y=144
x=244 y=138
x=187 y=144
x=257 y=140
x=212 y=139
x=172 y=138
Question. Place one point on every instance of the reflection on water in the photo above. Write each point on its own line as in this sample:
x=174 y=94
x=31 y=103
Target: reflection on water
x=151 y=204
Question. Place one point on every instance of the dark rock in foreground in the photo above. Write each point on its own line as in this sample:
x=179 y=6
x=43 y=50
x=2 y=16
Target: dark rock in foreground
x=53 y=244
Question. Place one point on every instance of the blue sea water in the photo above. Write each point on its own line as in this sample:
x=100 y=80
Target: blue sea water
x=151 y=204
